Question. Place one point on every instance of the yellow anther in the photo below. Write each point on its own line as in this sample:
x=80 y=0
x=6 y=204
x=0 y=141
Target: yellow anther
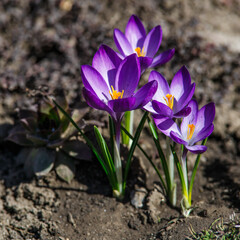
x=139 y=52
x=115 y=94
x=190 y=131
x=169 y=101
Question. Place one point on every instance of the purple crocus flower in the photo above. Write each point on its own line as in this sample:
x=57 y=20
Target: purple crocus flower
x=110 y=84
x=197 y=126
x=171 y=101
x=135 y=40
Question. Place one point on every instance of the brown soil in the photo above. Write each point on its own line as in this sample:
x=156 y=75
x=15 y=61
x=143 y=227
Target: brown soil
x=40 y=44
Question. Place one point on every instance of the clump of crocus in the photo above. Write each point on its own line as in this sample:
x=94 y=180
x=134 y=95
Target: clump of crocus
x=197 y=126
x=47 y=137
x=135 y=40
x=170 y=102
x=168 y=107
x=110 y=84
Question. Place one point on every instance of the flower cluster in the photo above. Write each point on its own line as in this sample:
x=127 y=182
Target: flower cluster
x=174 y=101
x=171 y=105
x=111 y=84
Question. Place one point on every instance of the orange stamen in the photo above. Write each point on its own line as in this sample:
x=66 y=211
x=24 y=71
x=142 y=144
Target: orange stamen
x=139 y=52
x=115 y=94
x=169 y=100
x=190 y=131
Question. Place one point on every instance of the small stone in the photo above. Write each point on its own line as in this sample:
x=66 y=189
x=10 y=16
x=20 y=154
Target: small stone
x=70 y=219
x=138 y=197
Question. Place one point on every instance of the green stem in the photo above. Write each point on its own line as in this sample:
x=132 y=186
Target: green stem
x=171 y=186
x=180 y=173
x=194 y=172
x=149 y=159
x=133 y=146
x=118 y=168
x=170 y=164
x=129 y=116
x=187 y=203
x=184 y=167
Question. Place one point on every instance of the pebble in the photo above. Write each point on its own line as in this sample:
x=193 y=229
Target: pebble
x=138 y=197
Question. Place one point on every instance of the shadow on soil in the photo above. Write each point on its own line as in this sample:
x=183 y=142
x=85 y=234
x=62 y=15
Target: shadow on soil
x=220 y=175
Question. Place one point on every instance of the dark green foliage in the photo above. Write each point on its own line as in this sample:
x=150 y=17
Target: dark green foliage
x=47 y=135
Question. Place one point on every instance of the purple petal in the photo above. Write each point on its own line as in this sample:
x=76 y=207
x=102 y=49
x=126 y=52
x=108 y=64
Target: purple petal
x=94 y=102
x=185 y=98
x=128 y=75
x=123 y=45
x=106 y=61
x=94 y=82
x=180 y=83
x=135 y=32
x=204 y=133
x=191 y=118
x=148 y=107
x=163 y=58
x=153 y=41
x=145 y=94
x=177 y=138
x=163 y=87
x=197 y=149
x=205 y=116
x=122 y=104
x=145 y=62
x=183 y=113
x=165 y=124
x=162 y=109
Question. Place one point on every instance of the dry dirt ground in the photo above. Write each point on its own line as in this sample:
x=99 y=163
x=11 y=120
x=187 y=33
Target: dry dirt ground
x=43 y=44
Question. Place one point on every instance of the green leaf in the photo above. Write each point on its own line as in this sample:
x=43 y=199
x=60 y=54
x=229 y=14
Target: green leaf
x=23 y=156
x=77 y=116
x=104 y=149
x=148 y=158
x=180 y=173
x=30 y=124
x=53 y=114
x=128 y=125
x=42 y=160
x=108 y=161
x=133 y=146
x=36 y=140
x=89 y=142
x=161 y=155
x=153 y=130
x=77 y=149
x=195 y=170
x=112 y=134
x=18 y=135
x=65 y=167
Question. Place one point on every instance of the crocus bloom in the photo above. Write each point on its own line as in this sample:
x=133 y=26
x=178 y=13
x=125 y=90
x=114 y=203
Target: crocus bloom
x=135 y=40
x=171 y=101
x=110 y=84
x=197 y=126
